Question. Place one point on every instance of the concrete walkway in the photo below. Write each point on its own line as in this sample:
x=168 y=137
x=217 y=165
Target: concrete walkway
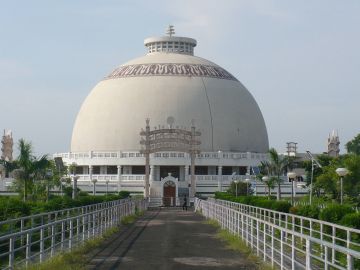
x=167 y=239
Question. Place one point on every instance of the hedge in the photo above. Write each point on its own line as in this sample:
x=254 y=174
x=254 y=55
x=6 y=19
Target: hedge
x=334 y=213
x=13 y=207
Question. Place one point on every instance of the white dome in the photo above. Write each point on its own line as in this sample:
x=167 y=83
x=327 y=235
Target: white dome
x=166 y=84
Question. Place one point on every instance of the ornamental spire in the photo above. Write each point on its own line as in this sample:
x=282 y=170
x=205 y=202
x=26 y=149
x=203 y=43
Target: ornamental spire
x=170 y=30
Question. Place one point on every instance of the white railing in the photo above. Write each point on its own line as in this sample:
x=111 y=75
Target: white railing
x=287 y=241
x=229 y=178
x=132 y=177
x=38 y=237
x=137 y=154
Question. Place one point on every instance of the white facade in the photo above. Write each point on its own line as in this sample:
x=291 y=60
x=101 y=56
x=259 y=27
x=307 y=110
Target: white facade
x=168 y=83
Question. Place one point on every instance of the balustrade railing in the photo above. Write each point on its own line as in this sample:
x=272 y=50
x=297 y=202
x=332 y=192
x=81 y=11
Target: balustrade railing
x=135 y=154
x=35 y=238
x=287 y=241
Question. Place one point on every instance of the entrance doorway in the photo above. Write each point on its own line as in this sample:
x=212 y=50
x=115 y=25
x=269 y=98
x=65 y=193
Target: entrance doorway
x=169 y=198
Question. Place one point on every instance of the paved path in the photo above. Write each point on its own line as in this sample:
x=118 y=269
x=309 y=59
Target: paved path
x=166 y=239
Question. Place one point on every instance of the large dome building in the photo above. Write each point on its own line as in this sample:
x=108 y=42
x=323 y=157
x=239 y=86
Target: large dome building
x=174 y=89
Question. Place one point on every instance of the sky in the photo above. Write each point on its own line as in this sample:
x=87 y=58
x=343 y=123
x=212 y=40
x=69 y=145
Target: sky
x=299 y=59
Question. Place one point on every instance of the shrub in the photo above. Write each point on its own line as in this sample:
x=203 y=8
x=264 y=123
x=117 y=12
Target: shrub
x=311 y=211
x=83 y=193
x=124 y=194
x=281 y=206
x=335 y=212
x=11 y=207
x=351 y=220
x=294 y=210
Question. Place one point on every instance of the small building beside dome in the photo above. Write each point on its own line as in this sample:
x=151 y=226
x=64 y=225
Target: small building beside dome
x=169 y=82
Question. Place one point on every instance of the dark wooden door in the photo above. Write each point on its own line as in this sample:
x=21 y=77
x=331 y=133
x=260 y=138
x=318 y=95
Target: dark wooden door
x=169 y=193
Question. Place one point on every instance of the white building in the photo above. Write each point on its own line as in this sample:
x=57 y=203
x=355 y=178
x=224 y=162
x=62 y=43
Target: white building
x=173 y=88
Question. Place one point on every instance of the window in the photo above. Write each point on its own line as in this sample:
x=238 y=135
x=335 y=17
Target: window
x=112 y=170
x=138 y=169
x=96 y=169
x=201 y=170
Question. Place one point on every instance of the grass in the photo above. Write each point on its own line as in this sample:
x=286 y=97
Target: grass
x=76 y=259
x=235 y=243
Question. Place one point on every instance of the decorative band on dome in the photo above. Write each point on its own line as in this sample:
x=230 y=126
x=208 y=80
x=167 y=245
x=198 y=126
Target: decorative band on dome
x=170 y=69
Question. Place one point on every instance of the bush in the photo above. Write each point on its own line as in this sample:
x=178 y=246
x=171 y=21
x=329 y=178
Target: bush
x=351 y=220
x=12 y=207
x=335 y=212
x=294 y=210
x=311 y=211
x=281 y=206
x=263 y=202
x=124 y=194
x=83 y=193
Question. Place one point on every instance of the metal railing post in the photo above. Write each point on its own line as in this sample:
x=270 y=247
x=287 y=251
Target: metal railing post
x=308 y=254
x=11 y=252
x=41 y=254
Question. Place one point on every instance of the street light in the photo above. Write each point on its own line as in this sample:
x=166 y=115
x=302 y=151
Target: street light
x=94 y=186
x=74 y=193
x=266 y=179
x=62 y=181
x=341 y=172
x=236 y=183
x=107 y=186
x=314 y=163
x=247 y=180
x=292 y=177
x=75 y=178
x=219 y=171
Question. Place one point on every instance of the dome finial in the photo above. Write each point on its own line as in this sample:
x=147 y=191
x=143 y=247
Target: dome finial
x=170 y=30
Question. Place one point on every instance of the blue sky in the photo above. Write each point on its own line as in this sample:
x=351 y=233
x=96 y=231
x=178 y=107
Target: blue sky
x=299 y=59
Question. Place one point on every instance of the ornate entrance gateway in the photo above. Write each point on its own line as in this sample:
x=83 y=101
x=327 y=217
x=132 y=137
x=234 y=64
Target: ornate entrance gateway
x=169 y=198
x=170 y=139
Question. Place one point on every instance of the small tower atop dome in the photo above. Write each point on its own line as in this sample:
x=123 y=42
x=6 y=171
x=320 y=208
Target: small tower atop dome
x=333 y=144
x=170 y=31
x=170 y=43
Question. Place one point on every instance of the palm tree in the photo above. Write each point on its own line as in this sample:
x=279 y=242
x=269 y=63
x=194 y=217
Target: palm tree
x=29 y=167
x=276 y=167
x=264 y=171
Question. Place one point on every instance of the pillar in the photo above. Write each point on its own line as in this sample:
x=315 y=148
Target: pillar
x=152 y=173
x=220 y=178
x=90 y=172
x=119 y=176
x=186 y=174
x=192 y=177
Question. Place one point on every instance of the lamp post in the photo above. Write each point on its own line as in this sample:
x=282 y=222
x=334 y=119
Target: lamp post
x=247 y=180
x=219 y=171
x=74 y=193
x=314 y=163
x=107 y=186
x=341 y=172
x=236 y=183
x=265 y=179
x=75 y=178
x=94 y=186
x=62 y=181
x=292 y=177
x=49 y=174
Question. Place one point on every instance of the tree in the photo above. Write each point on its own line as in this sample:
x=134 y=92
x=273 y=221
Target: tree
x=28 y=169
x=353 y=146
x=276 y=167
x=264 y=171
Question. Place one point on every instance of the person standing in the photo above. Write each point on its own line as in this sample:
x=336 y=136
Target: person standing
x=184 y=207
